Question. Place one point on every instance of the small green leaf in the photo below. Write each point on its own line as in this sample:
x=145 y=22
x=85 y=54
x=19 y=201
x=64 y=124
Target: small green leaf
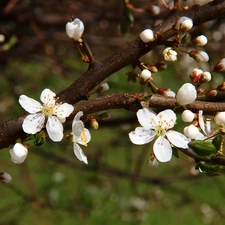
x=217 y=141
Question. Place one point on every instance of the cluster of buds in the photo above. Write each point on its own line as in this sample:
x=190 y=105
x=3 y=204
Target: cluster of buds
x=198 y=76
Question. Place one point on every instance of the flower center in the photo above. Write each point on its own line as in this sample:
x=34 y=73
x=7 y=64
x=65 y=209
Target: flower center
x=48 y=110
x=83 y=137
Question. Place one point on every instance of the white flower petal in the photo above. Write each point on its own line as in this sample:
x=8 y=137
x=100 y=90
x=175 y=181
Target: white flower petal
x=77 y=117
x=48 y=97
x=64 y=110
x=177 y=139
x=147 y=118
x=29 y=104
x=168 y=118
x=77 y=129
x=85 y=137
x=33 y=123
x=79 y=153
x=162 y=149
x=54 y=128
x=141 y=136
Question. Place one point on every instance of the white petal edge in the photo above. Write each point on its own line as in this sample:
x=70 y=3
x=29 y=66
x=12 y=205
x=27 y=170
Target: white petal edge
x=54 y=129
x=64 y=110
x=79 y=153
x=145 y=117
x=141 y=136
x=169 y=116
x=177 y=139
x=29 y=104
x=162 y=149
x=47 y=96
x=33 y=123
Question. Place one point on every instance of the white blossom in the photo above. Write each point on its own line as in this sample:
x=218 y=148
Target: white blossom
x=81 y=136
x=54 y=112
x=158 y=126
x=205 y=77
x=184 y=24
x=191 y=131
x=186 y=94
x=169 y=54
x=75 y=29
x=18 y=153
x=147 y=35
x=187 y=116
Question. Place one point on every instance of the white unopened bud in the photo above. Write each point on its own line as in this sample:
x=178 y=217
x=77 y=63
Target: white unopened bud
x=220 y=66
x=155 y=10
x=191 y=131
x=147 y=35
x=199 y=56
x=169 y=54
x=220 y=118
x=184 y=24
x=5 y=177
x=205 y=77
x=187 y=116
x=145 y=75
x=102 y=88
x=200 y=40
x=75 y=29
x=186 y=94
x=18 y=153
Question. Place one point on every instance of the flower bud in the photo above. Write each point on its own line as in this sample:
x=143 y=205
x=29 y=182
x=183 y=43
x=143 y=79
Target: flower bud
x=220 y=118
x=186 y=94
x=170 y=55
x=196 y=75
x=75 y=29
x=221 y=87
x=191 y=131
x=18 y=153
x=5 y=177
x=202 y=148
x=94 y=123
x=220 y=66
x=211 y=93
x=200 y=40
x=187 y=116
x=205 y=77
x=145 y=76
x=166 y=92
x=199 y=56
x=147 y=35
x=102 y=88
x=154 y=9
x=184 y=24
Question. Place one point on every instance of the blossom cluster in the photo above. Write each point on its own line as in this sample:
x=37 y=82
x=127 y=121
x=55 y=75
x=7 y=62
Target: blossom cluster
x=50 y=115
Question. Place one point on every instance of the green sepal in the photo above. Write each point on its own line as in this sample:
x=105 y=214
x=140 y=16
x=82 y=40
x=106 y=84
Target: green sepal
x=146 y=98
x=39 y=138
x=185 y=39
x=202 y=148
x=217 y=141
x=209 y=168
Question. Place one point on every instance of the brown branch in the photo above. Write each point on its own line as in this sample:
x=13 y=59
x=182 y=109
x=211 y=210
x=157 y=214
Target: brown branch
x=129 y=54
x=11 y=130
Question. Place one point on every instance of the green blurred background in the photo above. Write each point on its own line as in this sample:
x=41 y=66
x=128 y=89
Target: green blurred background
x=119 y=185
